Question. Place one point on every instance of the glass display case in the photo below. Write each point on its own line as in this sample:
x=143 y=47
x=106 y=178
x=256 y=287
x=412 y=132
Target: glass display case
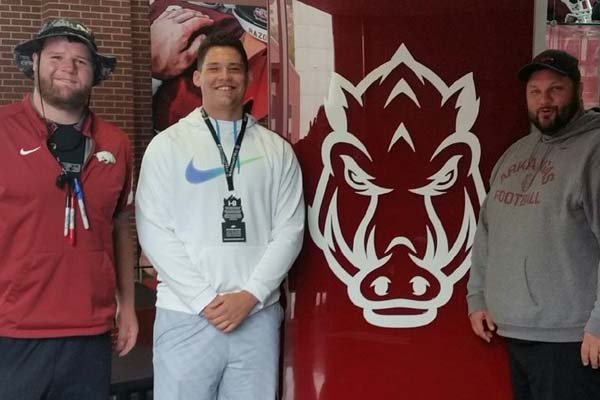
x=574 y=26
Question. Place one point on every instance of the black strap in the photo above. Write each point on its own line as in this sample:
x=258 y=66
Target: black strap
x=228 y=167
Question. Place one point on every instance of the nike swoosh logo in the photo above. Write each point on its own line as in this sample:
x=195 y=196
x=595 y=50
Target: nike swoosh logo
x=24 y=152
x=193 y=175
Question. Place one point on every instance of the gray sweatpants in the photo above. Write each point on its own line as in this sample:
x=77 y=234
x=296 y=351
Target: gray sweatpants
x=193 y=360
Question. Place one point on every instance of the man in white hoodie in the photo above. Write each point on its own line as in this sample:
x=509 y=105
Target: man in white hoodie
x=534 y=272
x=220 y=213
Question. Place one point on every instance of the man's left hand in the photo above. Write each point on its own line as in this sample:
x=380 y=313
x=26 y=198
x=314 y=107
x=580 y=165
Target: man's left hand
x=170 y=48
x=227 y=311
x=127 y=331
x=590 y=350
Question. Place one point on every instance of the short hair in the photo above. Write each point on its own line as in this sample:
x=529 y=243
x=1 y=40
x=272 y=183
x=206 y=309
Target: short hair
x=221 y=39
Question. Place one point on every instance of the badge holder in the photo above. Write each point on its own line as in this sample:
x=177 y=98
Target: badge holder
x=234 y=228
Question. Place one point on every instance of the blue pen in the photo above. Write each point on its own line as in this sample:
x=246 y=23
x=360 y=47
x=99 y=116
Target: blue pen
x=79 y=194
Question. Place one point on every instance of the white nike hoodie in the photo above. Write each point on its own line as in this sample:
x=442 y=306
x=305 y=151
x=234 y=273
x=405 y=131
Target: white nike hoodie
x=179 y=213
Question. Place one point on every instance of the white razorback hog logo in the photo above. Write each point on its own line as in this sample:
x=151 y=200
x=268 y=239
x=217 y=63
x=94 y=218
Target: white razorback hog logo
x=395 y=208
x=106 y=157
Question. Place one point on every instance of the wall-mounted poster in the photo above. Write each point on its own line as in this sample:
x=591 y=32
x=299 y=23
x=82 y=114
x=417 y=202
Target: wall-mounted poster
x=177 y=29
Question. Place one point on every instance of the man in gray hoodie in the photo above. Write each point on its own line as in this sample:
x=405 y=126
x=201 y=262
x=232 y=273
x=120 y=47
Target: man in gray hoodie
x=534 y=273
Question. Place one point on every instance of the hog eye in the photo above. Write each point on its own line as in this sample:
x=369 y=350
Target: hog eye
x=381 y=285
x=419 y=285
x=442 y=180
x=359 y=180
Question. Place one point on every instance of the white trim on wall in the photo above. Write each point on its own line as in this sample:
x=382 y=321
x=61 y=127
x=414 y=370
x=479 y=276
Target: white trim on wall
x=539 y=25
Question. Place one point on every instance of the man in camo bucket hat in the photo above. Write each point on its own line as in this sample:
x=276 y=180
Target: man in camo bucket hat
x=104 y=65
x=66 y=259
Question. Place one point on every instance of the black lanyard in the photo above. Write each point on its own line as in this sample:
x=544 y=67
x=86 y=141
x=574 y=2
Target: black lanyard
x=228 y=167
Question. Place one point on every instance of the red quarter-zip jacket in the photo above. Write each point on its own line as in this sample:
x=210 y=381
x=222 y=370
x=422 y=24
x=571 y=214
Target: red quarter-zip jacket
x=49 y=287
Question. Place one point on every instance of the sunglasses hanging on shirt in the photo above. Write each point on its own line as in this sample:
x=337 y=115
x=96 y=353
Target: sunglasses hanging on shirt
x=67 y=144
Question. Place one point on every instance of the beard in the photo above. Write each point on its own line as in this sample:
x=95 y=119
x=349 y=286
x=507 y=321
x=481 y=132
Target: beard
x=562 y=117
x=63 y=97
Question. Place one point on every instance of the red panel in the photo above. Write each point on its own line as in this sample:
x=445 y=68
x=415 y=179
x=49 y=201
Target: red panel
x=386 y=317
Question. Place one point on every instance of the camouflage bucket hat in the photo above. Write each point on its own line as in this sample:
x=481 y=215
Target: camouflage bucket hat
x=104 y=65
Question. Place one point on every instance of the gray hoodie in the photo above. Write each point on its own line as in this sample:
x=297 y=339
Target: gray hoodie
x=536 y=252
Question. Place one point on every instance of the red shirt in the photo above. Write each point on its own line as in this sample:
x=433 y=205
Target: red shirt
x=48 y=287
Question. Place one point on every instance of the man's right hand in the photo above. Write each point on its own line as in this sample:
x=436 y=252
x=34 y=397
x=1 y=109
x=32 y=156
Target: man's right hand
x=482 y=324
x=227 y=311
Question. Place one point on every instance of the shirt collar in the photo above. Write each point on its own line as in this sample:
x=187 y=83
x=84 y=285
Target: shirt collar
x=46 y=127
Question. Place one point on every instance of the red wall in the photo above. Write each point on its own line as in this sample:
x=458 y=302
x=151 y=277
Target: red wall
x=391 y=322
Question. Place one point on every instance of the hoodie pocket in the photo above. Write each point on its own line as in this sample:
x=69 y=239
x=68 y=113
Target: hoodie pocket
x=509 y=294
